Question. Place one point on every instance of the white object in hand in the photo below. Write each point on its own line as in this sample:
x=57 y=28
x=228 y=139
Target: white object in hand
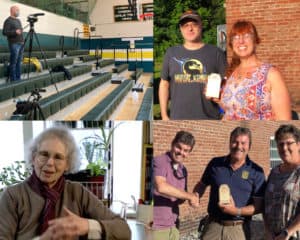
x=213 y=85
x=224 y=194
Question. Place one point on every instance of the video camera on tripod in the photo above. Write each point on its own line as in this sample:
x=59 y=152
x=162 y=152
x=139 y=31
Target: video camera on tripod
x=32 y=18
x=29 y=109
x=35 y=95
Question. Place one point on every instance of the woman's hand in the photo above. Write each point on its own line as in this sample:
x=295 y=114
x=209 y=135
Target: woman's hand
x=66 y=227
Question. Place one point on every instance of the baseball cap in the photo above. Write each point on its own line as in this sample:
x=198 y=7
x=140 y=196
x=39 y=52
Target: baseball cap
x=190 y=14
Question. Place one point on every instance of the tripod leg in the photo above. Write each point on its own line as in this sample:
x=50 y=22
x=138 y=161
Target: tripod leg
x=23 y=47
x=34 y=115
x=41 y=114
x=45 y=61
x=30 y=51
x=37 y=113
x=30 y=115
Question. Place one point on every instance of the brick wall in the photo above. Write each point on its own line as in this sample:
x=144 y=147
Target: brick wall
x=278 y=25
x=212 y=139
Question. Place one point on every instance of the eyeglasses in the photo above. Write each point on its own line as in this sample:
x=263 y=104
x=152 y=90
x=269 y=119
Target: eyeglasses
x=246 y=37
x=191 y=24
x=288 y=144
x=44 y=156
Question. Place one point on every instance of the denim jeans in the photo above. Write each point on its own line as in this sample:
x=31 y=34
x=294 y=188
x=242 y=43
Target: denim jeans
x=16 y=56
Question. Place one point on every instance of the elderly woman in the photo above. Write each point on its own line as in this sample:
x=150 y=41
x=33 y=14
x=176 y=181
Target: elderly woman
x=254 y=90
x=282 y=196
x=48 y=206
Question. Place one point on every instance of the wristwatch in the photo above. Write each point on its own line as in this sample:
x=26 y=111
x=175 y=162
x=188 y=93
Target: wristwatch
x=239 y=212
x=285 y=232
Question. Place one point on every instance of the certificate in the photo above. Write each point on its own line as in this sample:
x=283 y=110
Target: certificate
x=213 y=85
x=224 y=194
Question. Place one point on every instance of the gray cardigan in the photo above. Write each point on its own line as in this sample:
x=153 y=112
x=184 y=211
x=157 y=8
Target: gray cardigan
x=20 y=209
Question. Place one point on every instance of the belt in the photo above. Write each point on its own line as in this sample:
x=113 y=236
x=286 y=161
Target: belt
x=227 y=222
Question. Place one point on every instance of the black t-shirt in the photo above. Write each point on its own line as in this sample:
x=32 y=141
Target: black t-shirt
x=187 y=70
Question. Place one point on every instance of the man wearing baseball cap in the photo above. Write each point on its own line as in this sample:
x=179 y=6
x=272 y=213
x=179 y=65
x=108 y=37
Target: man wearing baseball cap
x=185 y=70
x=191 y=15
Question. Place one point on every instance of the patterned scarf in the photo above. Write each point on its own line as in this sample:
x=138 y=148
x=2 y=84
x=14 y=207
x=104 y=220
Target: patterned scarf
x=51 y=196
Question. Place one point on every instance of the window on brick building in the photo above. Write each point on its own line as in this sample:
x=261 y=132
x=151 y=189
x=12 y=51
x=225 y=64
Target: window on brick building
x=274 y=157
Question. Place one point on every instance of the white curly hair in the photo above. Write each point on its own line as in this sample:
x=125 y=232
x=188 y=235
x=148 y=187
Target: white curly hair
x=63 y=134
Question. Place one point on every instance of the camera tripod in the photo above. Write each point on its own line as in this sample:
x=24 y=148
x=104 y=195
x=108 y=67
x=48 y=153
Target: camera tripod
x=36 y=111
x=30 y=109
x=30 y=35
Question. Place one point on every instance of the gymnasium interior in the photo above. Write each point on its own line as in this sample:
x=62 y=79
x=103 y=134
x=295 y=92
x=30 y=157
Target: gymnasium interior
x=83 y=60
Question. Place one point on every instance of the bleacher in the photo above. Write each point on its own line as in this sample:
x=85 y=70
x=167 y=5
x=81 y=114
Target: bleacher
x=120 y=68
x=104 y=109
x=136 y=74
x=145 y=111
x=51 y=63
x=80 y=65
x=60 y=100
x=4 y=56
x=15 y=89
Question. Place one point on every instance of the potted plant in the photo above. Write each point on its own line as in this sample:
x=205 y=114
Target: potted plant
x=95 y=149
x=97 y=168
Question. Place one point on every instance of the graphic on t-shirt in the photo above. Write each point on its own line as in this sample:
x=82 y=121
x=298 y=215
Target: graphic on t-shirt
x=192 y=70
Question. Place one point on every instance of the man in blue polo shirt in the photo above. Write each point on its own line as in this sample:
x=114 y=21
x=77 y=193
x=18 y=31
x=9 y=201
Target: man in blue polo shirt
x=246 y=181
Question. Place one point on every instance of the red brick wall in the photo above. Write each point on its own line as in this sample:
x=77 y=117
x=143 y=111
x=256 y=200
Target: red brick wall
x=212 y=139
x=278 y=25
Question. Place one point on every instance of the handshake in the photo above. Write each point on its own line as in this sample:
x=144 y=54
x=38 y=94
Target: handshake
x=194 y=200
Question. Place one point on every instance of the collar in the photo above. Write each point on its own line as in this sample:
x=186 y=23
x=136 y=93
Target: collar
x=227 y=161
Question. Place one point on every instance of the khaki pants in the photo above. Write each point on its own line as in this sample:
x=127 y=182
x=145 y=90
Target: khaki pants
x=166 y=234
x=216 y=231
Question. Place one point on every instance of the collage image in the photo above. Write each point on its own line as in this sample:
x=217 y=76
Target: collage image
x=150 y=120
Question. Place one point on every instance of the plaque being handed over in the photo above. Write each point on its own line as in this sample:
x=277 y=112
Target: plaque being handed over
x=213 y=85
x=224 y=194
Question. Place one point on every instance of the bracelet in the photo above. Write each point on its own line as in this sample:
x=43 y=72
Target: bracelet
x=239 y=212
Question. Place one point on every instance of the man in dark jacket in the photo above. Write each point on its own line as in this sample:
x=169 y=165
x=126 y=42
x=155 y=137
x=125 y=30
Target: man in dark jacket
x=12 y=29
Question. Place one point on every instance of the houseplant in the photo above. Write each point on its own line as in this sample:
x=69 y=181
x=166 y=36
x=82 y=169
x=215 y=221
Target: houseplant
x=96 y=150
x=13 y=174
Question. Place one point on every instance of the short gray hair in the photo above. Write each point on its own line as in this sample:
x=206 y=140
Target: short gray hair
x=285 y=130
x=184 y=137
x=63 y=134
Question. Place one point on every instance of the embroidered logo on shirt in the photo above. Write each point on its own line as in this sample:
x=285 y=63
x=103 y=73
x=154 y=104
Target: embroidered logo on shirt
x=245 y=175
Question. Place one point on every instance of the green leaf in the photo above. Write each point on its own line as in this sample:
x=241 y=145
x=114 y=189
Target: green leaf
x=13 y=174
